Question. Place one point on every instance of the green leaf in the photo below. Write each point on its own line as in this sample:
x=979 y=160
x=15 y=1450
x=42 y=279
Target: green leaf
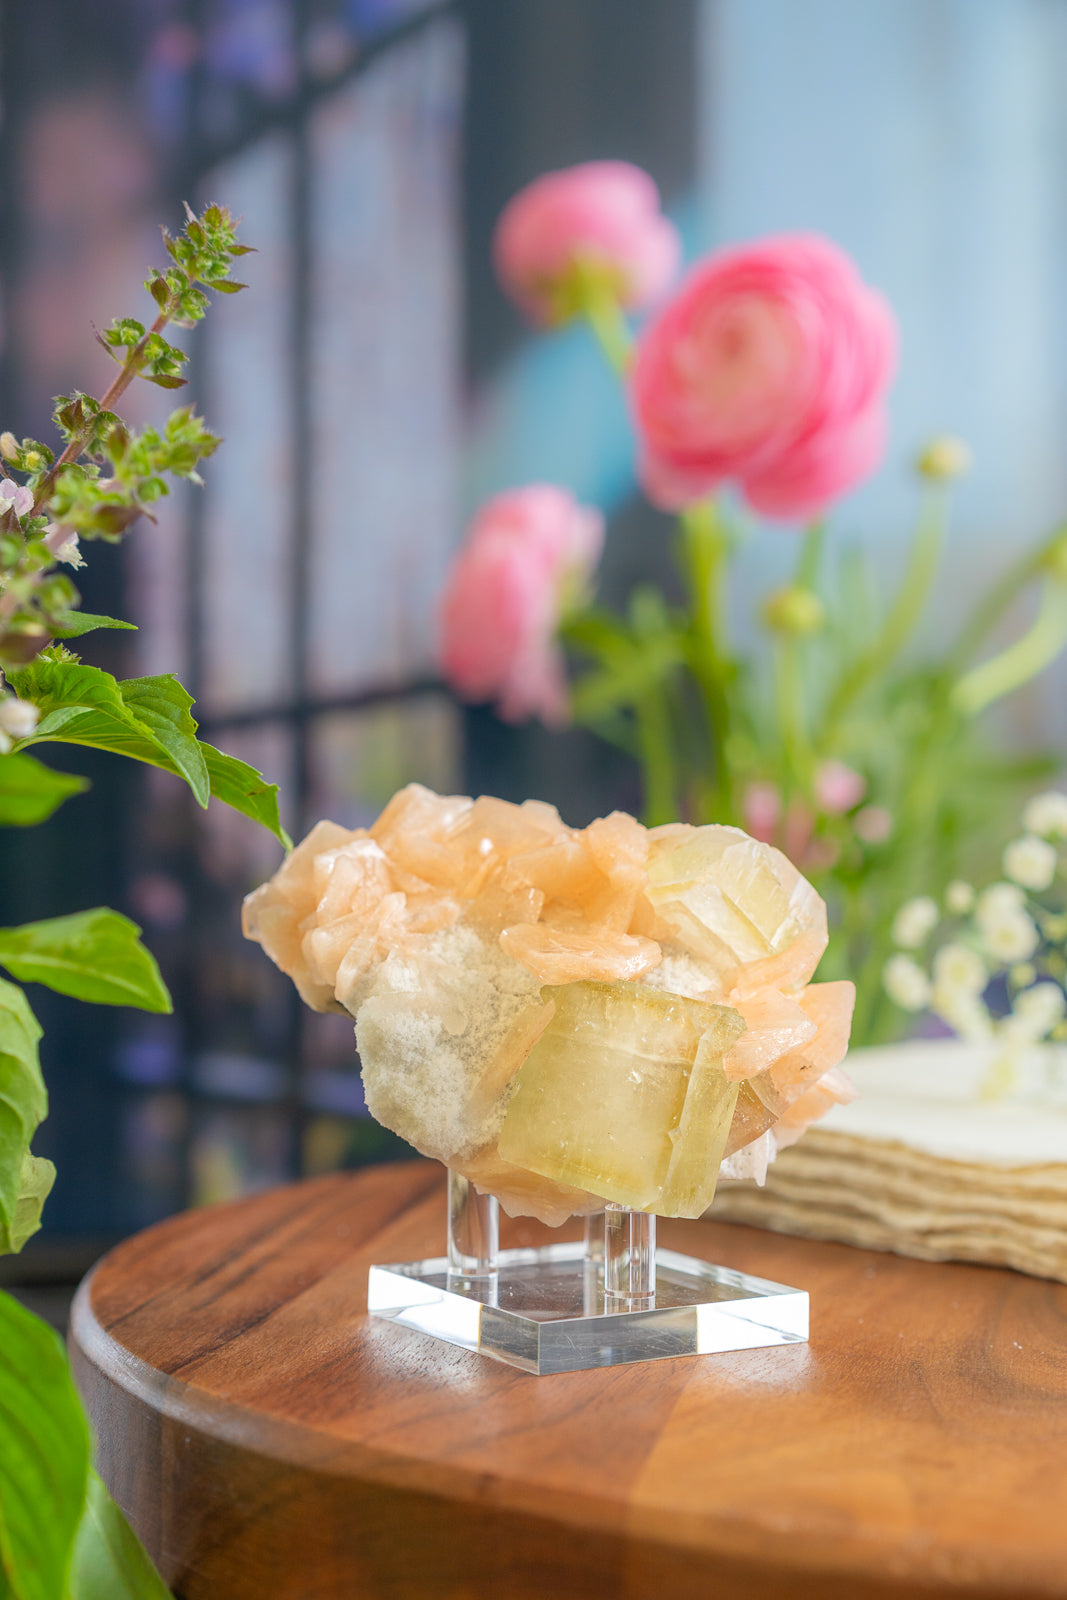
x=162 y=706
x=30 y=791
x=23 y=1105
x=93 y=955
x=44 y=1458
x=246 y=790
x=145 y=718
x=226 y=286
x=110 y=1562
x=36 y=1178
x=72 y=624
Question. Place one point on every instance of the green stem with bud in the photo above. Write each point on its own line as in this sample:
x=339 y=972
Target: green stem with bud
x=1046 y=557
x=1021 y=661
x=657 y=758
x=705 y=549
x=903 y=615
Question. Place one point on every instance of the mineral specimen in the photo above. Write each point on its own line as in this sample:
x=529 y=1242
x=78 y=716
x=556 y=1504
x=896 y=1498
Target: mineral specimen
x=567 y=1016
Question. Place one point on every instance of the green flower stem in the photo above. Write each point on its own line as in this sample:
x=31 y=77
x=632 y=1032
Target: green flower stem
x=990 y=610
x=810 y=555
x=657 y=758
x=704 y=556
x=602 y=311
x=903 y=615
x=792 y=723
x=129 y=370
x=1020 y=662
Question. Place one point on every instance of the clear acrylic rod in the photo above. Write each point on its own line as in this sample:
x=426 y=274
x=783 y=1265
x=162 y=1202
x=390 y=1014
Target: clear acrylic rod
x=594 y=1239
x=473 y=1229
x=629 y=1259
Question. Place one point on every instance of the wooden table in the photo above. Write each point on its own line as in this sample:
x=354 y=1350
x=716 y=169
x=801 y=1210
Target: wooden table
x=268 y=1439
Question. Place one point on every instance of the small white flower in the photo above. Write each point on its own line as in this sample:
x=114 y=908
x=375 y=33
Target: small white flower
x=1012 y=937
x=1046 y=814
x=998 y=901
x=959 y=898
x=915 y=920
x=18 y=718
x=1031 y=862
x=966 y=1014
x=1036 y=1013
x=1044 y=1004
x=959 y=969
x=63 y=545
x=1023 y=975
x=906 y=983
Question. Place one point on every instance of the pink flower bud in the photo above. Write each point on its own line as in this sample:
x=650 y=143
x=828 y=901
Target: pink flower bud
x=874 y=824
x=602 y=217
x=767 y=368
x=525 y=552
x=838 y=788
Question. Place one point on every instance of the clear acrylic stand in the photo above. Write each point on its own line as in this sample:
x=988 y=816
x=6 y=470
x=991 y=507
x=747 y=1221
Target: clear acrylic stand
x=601 y=1302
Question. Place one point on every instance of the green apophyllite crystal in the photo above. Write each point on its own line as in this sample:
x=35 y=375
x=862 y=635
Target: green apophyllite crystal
x=624 y=1095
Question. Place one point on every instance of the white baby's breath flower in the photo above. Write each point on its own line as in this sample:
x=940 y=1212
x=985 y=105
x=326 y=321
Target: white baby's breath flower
x=965 y=1013
x=1044 y=1003
x=915 y=920
x=1010 y=938
x=1035 y=1015
x=906 y=983
x=959 y=898
x=18 y=718
x=1000 y=900
x=1030 y=861
x=959 y=969
x=1046 y=814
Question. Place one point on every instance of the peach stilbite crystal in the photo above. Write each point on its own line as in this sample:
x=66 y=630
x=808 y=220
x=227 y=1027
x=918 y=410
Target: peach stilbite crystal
x=677 y=1030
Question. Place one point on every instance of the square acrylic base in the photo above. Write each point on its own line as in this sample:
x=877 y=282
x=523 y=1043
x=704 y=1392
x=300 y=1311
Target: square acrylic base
x=544 y=1310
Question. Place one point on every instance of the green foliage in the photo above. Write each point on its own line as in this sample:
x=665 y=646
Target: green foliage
x=61 y=1535
x=73 y=624
x=144 y=718
x=44 y=1458
x=106 y=476
x=240 y=786
x=109 y=474
x=23 y=1106
x=30 y=791
x=36 y=1177
x=147 y=719
x=92 y=955
x=109 y=1560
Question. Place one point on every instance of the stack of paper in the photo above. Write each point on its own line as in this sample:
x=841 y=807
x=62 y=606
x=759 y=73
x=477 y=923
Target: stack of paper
x=928 y=1164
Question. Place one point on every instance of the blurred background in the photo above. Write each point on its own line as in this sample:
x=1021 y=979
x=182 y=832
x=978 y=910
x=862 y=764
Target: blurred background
x=373 y=385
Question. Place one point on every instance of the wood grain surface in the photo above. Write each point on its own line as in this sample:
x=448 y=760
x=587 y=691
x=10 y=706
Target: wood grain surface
x=268 y=1439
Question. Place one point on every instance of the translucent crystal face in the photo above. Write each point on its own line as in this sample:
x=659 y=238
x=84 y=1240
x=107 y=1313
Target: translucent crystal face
x=679 y=1027
x=624 y=1095
x=729 y=899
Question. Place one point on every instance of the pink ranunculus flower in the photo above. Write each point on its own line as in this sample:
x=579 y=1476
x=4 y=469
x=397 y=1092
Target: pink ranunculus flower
x=838 y=788
x=603 y=216
x=525 y=553
x=767 y=368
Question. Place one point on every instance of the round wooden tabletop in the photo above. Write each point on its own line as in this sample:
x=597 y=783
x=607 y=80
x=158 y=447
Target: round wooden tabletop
x=268 y=1439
